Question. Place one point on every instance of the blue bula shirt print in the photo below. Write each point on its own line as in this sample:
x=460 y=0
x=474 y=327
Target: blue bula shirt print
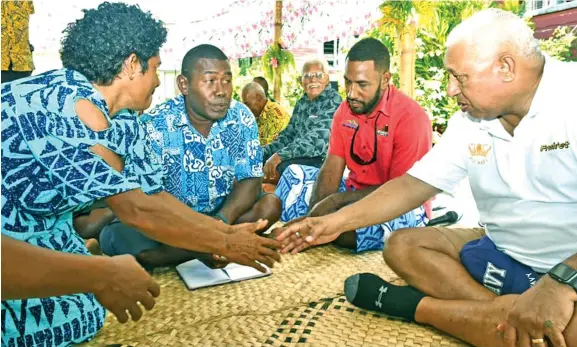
x=48 y=173
x=200 y=171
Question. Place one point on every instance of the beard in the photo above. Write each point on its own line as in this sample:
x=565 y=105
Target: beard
x=367 y=107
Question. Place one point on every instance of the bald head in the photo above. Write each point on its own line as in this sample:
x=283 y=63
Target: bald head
x=494 y=31
x=254 y=97
x=252 y=88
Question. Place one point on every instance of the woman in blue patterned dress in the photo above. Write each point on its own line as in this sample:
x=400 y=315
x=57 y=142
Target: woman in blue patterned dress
x=69 y=140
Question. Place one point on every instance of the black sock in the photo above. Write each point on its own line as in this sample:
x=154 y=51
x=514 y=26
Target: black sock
x=370 y=292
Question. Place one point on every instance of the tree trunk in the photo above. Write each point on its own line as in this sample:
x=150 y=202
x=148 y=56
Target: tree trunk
x=408 y=52
x=277 y=36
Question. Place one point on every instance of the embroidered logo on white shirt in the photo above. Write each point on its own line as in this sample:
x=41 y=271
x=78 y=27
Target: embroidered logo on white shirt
x=478 y=153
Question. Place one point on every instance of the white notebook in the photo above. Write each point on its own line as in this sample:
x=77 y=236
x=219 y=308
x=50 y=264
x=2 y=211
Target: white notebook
x=197 y=275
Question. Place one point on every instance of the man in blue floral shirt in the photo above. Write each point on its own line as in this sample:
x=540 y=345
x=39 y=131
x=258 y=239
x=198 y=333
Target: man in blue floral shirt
x=211 y=155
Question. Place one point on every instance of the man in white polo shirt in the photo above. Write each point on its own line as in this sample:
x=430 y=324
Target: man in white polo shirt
x=516 y=140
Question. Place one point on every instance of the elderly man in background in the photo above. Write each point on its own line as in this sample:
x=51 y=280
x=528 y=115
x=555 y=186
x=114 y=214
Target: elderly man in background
x=513 y=283
x=271 y=117
x=306 y=139
x=378 y=134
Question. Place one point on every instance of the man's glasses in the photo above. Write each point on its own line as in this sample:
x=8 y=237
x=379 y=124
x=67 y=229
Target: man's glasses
x=311 y=75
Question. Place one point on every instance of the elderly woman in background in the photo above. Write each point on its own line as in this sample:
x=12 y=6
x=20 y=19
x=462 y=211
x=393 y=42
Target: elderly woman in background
x=69 y=140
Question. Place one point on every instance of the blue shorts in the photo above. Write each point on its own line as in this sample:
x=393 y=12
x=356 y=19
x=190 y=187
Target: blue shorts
x=496 y=270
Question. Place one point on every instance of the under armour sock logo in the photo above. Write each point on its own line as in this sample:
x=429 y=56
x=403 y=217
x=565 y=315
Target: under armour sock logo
x=382 y=291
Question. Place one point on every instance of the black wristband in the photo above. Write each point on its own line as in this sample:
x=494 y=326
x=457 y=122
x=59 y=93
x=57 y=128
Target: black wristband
x=565 y=274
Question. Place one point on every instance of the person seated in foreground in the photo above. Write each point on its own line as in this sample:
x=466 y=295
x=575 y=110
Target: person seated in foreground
x=271 y=117
x=378 y=134
x=69 y=141
x=306 y=138
x=513 y=283
x=211 y=156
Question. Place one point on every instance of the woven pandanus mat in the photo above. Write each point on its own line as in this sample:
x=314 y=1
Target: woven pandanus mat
x=301 y=304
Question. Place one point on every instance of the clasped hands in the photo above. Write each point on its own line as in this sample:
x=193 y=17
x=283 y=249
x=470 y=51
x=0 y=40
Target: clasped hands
x=540 y=316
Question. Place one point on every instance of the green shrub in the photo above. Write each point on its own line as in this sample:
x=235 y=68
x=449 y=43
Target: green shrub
x=431 y=77
x=561 y=44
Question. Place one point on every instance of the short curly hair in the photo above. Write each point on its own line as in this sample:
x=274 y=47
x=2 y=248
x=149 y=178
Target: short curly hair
x=98 y=44
x=369 y=49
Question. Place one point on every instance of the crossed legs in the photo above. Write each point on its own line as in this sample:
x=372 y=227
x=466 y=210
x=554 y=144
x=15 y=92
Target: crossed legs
x=428 y=259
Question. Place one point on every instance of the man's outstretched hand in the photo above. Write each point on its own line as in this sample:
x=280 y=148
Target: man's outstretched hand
x=244 y=247
x=307 y=232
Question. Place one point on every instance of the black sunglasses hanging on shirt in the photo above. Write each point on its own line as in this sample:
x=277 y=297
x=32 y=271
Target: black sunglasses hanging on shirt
x=356 y=158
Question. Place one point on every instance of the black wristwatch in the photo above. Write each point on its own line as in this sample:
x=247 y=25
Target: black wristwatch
x=565 y=274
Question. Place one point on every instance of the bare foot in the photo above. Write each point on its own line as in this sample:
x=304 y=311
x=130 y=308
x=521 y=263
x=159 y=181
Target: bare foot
x=93 y=246
x=268 y=187
x=164 y=256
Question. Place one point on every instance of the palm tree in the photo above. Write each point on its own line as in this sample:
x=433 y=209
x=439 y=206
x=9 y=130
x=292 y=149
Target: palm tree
x=401 y=20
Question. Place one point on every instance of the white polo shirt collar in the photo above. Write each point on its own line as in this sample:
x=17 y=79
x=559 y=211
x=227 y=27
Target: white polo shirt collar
x=545 y=87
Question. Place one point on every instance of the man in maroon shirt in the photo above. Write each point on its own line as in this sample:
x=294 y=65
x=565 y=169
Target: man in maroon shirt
x=378 y=134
